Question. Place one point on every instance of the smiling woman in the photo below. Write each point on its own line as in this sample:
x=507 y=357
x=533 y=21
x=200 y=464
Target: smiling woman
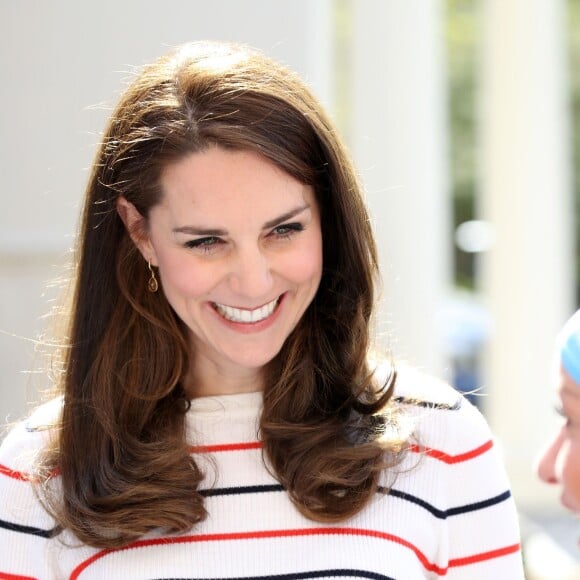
x=220 y=411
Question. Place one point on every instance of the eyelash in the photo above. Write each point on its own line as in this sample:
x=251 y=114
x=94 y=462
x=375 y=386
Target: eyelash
x=203 y=244
x=283 y=231
x=288 y=229
x=560 y=410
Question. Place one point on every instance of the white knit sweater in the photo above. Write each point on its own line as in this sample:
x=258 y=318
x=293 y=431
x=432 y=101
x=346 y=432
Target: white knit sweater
x=449 y=513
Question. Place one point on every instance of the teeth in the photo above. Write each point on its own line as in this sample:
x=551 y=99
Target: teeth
x=247 y=316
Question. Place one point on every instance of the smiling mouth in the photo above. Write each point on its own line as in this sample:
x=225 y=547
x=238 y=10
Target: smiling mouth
x=247 y=316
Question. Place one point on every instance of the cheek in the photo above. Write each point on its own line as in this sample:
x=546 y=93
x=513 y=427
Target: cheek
x=306 y=265
x=182 y=277
x=569 y=466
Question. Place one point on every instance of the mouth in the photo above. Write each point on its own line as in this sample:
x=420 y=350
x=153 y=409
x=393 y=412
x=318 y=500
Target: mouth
x=247 y=316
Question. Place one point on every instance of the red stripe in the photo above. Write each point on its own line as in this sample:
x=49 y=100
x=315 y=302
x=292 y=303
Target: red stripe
x=446 y=458
x=5 y=576
x=484 y=556
x=261 y=535
x=226 y=447
x=430 y=566
x=15 y=475
x=431 y=452
x=22 y=475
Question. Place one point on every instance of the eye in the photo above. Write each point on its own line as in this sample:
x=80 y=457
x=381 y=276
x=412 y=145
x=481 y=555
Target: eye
x=568 y=423
x=287 y=230
x=204 y=244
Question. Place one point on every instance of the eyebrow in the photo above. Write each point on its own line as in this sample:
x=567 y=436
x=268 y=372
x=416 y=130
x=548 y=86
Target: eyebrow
x=201 y=231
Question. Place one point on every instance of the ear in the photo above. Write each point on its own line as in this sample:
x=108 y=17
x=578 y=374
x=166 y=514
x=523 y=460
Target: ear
x=136 y=226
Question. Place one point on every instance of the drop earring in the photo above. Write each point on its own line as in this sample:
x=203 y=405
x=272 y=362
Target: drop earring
x=152 y=284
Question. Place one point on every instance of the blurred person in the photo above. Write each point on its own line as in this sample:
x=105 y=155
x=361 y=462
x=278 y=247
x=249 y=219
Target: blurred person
x=220 y=411
x=559 y=461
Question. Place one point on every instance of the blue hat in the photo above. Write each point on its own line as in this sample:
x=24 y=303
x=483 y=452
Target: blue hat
x=569 y=347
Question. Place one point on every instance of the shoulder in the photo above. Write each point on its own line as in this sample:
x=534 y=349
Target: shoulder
x=26 y=527
x=438 y=415
x=414 y=387
x=25 y=440
x=453 y=476
x=449 y=437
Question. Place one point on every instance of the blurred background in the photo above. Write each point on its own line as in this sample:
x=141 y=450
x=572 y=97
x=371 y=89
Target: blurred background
x=463 y=118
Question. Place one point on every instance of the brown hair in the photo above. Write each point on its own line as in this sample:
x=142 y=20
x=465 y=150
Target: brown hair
x=121 y=449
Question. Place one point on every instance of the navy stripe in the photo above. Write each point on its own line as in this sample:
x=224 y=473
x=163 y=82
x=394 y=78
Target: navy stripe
x=430 y=404
x=443 y=514
x=241 y=490
x=471 y=507
x=249 y=489
x=438 y=513
x=31 y=531
x=302 y=575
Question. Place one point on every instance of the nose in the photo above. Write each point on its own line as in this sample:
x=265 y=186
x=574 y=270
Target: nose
x=251 y=275
x=546 y=461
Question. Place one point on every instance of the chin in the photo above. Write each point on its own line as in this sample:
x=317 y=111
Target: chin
x=252 y=361
x=571 y=502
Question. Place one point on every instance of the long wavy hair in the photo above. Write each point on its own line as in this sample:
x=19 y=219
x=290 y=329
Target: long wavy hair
x=121 y=448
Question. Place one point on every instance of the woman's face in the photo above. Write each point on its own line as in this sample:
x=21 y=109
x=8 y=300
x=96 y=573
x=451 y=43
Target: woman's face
x=238 y=245
x=559 y=462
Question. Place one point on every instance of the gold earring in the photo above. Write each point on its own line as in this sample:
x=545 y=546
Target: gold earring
x=152 y=285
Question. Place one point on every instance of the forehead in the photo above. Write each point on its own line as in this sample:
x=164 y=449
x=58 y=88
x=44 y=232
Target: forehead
x=222 y=177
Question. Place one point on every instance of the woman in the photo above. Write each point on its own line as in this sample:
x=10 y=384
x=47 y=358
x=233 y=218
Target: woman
x=559 y=461
x=220 y=415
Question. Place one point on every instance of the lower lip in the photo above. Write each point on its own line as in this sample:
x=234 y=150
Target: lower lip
x=251 y=327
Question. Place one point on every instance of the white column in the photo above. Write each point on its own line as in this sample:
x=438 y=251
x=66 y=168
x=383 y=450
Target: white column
x=527 y=278
x=398 y=134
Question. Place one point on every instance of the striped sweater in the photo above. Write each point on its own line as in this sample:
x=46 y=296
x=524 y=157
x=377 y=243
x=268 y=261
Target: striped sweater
x=449 y=512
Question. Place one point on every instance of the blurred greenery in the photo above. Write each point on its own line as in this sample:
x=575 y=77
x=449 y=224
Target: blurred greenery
x=463 y=34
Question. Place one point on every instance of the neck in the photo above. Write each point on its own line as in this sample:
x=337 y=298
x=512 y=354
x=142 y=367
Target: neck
x=206 y=380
